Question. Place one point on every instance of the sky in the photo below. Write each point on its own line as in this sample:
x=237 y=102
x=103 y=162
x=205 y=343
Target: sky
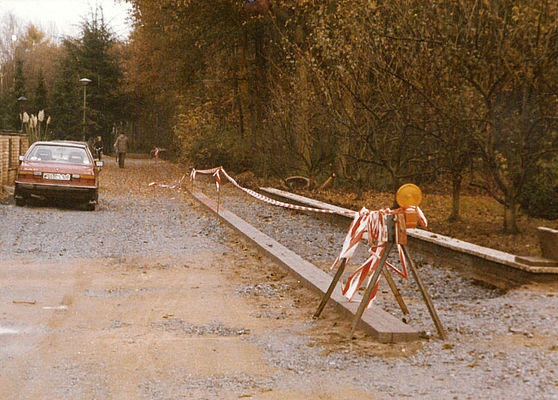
x=63 y=17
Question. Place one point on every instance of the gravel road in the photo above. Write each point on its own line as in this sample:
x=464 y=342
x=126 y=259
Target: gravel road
x=130 y=220
x=149 y=297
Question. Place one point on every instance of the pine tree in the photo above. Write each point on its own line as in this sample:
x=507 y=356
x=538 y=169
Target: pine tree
x=40 y=98
x=65 y=108
x=17 y=91
x=91 y=56
x=19 y=81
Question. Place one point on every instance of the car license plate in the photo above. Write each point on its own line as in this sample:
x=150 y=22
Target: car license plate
x=56 y=177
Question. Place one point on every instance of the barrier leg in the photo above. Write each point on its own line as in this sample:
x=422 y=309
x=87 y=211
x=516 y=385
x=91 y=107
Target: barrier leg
x=332 y=285
x=425 y=295
x=395 y=291
x=368 y=292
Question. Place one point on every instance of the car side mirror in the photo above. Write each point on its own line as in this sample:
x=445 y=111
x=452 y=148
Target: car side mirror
x=20 y=158
x=99 y=164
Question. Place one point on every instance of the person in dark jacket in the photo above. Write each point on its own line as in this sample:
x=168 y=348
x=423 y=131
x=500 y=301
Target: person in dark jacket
x=98 y=147
x=121 y=147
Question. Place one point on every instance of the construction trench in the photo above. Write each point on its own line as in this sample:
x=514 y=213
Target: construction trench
x=152 y=296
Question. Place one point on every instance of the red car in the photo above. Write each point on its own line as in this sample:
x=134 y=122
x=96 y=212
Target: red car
x=58 y=170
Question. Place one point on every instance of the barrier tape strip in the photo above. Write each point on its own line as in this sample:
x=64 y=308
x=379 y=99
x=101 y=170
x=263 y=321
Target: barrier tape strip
x=370 y=222
x=217 y=180
x=215 y=172
x=175 y=186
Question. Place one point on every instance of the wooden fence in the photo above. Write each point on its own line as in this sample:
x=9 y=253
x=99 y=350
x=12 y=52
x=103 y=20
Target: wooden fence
x=12 y=144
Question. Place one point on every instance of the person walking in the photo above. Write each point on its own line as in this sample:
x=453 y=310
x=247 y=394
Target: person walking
x=121 y=147
x=98 y=147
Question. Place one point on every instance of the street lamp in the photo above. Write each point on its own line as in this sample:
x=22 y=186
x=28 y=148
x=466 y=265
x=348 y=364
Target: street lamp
x=21 y=101
x=84 y=82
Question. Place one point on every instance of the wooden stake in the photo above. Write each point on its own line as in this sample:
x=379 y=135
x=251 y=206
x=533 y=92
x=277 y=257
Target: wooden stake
x=425 y=295
x=332 y=286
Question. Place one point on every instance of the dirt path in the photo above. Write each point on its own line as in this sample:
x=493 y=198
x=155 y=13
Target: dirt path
x=146 y=298
x=132 y=329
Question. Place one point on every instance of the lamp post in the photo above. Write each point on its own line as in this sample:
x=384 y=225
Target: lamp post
x=21 y=101
x=84 y=82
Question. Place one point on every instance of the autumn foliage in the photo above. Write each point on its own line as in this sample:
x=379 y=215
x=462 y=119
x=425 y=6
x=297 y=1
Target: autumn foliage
x=379 y=92
x=454 y=92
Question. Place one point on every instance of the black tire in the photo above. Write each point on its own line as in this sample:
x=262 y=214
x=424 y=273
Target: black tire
x=92 y=203
x=19 y=198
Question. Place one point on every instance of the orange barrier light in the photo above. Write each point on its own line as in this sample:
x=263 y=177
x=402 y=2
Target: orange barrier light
x=409 y=195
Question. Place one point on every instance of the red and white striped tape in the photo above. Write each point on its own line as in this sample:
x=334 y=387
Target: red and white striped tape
x=215 y=171
x=175 y=186
x=217 y=179
x=374 y=223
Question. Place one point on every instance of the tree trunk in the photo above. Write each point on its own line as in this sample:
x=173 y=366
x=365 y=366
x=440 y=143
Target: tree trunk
x=455 y=197
x=343 y=143
x=341 y=158
x=303 y=115
x=236 y=93
x=510 y=215
x=395 y=184
x=395 y=180
x=244 y=109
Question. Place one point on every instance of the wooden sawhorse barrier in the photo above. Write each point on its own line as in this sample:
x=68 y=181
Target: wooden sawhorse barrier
x=375 y=276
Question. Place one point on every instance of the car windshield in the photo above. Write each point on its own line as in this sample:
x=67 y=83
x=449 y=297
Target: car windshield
x=63 y=154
